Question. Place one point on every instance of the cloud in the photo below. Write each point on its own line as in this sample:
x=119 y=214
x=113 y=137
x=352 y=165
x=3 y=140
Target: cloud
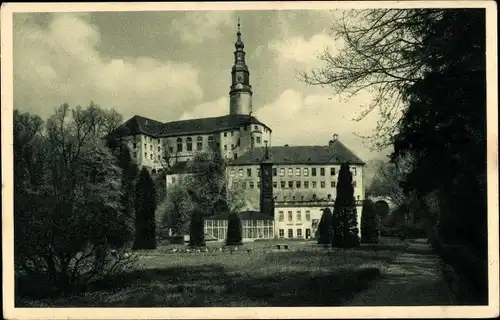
x=216 y=108
x=62 y=63
x=299 y=119
x=199 y=26
x=301 y=50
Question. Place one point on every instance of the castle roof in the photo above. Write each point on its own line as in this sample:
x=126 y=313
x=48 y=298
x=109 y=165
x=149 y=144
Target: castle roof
x=335 y=153
x=142 y=125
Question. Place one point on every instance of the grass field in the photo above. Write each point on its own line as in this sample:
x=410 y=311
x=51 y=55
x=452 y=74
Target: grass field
x=305 y=275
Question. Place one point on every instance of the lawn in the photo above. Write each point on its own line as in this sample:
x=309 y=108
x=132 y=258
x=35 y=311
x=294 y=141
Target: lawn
x=305 y=275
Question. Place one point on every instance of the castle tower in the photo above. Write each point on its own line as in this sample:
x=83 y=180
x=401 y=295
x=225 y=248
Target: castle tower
x=241 y=91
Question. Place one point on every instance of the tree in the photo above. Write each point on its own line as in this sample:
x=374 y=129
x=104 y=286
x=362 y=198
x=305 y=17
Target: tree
x=208 y=185
x=234 y=229
x=130 y=173
x=178 y=210
x=145 y=207
x=325 y=227
x=197 y=229
x=345 y=228
x=369 y=223
x=64 y=168
x=380 y=54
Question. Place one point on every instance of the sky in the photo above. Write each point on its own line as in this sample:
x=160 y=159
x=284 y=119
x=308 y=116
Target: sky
x=173 y=65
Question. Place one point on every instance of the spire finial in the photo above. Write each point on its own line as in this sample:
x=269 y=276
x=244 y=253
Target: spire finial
x=239 y=25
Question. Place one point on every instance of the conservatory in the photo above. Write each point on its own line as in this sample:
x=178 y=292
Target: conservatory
x=255 y=225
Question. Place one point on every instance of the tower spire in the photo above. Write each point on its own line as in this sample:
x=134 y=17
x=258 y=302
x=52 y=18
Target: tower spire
x=241 y=90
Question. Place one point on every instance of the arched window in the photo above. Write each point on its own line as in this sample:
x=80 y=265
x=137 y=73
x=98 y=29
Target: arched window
x=189 y=144
x=211 y=142
x=179 y=145
x=199 y=143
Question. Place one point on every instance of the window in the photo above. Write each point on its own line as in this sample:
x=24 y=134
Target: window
x=225 y=147
x=308 y=216
x=290 y=233
x=275 y=172
x=171 y=149
x=231 y=173
x=353 y=171
x=290 y=172
x=245 y=128
x=354 y=184
x=235 y=156
x=159 y=157
x=282 y=172
x=299 y=233
x=282 y=183
x=225 y=134
x=179 y=144
x=299 y=216
x=151 y=157
x=281 y=216
x=297 y=184
x=251 y=184
x=158 y=141
x=297 y=172
x=258 y=184
x=232 y=133
x=249 y=172
x=256 y=127
x=290 y=184
x=306 y=184
x=135 y=145
x=151 y=147
x=145 y=155
x=258 y=172
x=314 y=196
x=282 y=233
x=240 y=173
x=314 y=184
x=158 y=148
x=244 y=185
x=306 y=172
x=321 y=171
x=275 y=184
x=313 y=172
x=199 y=143
x=145 y=146
x=232 y=146
x=332 y=171
x=322 y=184
x=258 y=140
x=290 y=216
x=333 y=184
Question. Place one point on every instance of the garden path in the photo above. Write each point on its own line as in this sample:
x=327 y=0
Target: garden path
x=413 y=279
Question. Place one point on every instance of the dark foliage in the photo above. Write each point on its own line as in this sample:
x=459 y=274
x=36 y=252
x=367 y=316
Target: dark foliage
x=197 y=229
x=369 y=223
x=345 y=224
x=234 y=229
x=325 y=227
x=145 y=206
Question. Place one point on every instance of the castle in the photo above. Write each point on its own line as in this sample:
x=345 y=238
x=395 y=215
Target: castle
x=303 y=177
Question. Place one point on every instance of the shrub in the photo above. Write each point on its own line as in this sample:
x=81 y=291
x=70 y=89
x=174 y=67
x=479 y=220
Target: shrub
x=369 y=223
x=234 y=229
x=196 y=229
x=145 y=207
x=345 y=223
x=325 y=227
